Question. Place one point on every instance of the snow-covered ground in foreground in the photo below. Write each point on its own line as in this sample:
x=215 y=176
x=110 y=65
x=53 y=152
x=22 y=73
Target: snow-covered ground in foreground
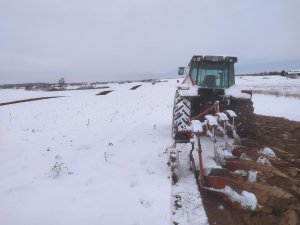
x=125 y=182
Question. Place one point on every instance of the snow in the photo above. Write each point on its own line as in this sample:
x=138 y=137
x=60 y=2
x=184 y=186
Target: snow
x=208 y=153
x=269 y=84
x=222 y=116
x=244 y=156
x=211 y=120
x=267 y=152
x=112 y=166
x=252 y=176
x=123 y=183
x=186 y=192
x=246 y=199
x=249 y=200
x=263 y=160
x=221 y=154
x=273 y=95
x=241 y=172
x=236 y=92
x=269 y=105
x=231 y=113
x=197 y=126
x=9 y=95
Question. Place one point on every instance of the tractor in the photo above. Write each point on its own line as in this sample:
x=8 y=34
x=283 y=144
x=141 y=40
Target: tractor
x=211 y=115
x=210 y=84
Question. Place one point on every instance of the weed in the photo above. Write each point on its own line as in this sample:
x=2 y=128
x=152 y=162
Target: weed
x=60 y=168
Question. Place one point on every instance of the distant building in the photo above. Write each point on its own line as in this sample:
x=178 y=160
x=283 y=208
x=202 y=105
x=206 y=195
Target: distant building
x=293 y=72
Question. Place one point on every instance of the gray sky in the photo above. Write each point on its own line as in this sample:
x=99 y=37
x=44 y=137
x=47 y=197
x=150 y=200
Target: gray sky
x=97 y=40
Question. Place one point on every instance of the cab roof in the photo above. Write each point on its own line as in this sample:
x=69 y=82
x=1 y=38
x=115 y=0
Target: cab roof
x=211 y=58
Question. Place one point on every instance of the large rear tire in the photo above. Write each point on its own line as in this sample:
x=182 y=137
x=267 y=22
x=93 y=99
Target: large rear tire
x=181 y=115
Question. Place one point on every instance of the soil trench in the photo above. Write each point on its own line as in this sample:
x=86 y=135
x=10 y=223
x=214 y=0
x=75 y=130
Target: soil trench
x=277 y=186
x=29 y=100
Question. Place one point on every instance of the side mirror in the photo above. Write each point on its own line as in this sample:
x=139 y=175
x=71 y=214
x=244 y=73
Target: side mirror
x=181 y=70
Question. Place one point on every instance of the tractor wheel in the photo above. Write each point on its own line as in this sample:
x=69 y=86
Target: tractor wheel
x=181 y=115
x=174 y=105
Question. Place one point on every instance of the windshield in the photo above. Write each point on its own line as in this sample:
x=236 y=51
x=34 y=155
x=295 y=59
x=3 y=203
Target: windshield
x=210 y=74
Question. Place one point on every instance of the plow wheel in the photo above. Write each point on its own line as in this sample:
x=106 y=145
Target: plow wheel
x=244 y=110
x=181 y=117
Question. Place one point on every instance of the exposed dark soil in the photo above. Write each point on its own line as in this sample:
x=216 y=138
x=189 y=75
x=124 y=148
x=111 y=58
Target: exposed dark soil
x=135 y=87
x=278 y=185
x=28 y=100
x=104 y=92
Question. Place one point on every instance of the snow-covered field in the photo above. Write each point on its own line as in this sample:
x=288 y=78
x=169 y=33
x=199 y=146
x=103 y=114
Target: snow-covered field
x=108 y=151
x=125 y=182
x=274 y=95
x=287 y=107
x=276 y=85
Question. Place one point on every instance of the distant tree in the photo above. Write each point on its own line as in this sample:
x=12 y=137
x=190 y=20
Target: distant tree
x=28 y=87
x=283 y=73
x=61 y=82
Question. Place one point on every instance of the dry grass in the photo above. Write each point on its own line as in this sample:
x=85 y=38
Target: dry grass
x=277 y=93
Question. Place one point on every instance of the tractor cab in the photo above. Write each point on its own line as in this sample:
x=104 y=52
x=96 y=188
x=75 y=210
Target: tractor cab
x=212 y=72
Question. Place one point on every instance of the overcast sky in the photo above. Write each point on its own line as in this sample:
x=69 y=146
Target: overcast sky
x=104 y=40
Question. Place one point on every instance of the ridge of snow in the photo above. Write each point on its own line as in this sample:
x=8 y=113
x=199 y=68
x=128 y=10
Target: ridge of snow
x=246 y=199
x=263 y=160
x=186 y=194
x=267 y=152
x=235 y=91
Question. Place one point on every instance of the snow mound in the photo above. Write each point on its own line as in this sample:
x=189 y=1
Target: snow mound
x=231 y=113
x=246 y=199
x=222 y=116
x=236 y=92
x=211 y=120
x=197 y=126
x=267 y=152
x=241 y=172
x=252 y=176
x=263 y=160
x=221 y=154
